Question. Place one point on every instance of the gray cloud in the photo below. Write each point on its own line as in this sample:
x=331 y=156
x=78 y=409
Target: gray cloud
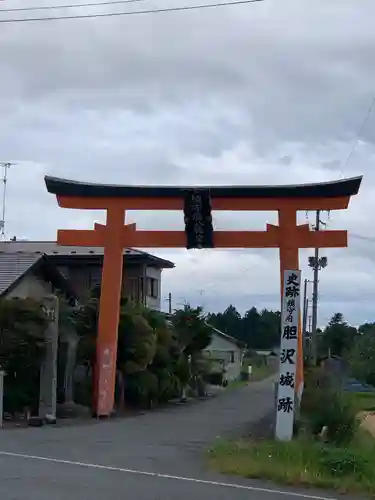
x=265 y=93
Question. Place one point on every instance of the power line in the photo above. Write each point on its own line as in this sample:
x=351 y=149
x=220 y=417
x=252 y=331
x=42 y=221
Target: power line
x=131 y=13
x=353 y=149
x=362 y=128
x=69 y=6
x=362 y=237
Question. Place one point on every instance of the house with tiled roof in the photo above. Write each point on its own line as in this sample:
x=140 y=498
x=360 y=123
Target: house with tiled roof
x=36 y=268
x=25 y=275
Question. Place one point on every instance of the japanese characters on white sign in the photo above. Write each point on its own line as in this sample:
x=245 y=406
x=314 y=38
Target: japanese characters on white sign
x=288 y=355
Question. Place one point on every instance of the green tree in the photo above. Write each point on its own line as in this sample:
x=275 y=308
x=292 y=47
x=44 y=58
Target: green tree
x=194 y=334
x=258 y=330
x=251 y=326
x=269 y=330
x=362 y=356
x=152 y=354
x=338 y=337
x=366 y=327
x=229 y=322
x=22 y=349
x=192 y=329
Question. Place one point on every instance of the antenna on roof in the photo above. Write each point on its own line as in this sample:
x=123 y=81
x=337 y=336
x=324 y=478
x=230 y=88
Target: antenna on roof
x=6 y=166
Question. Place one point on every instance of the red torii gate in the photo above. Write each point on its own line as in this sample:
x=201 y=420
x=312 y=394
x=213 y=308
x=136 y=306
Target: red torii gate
x=115 y=235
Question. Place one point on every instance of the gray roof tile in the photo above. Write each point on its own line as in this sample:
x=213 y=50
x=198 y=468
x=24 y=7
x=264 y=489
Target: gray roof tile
x=14 y=265
x=51 y=248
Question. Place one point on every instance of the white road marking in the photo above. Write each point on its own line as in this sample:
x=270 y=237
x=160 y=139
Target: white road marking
x=165 y=476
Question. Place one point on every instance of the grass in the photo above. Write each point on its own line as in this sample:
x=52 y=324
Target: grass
x=233 y=384
x=305 y=461
x=260 y=370
x=361 y=401
x=300 y=462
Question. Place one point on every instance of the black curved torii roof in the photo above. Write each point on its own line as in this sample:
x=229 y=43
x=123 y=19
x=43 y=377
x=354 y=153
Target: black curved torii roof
x=333 y=189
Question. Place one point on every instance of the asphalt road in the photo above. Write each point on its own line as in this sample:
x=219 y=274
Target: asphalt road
x=156 y=456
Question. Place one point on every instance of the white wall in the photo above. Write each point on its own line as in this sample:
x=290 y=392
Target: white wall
x=220 y=344
x=30 y=287
x=154 y=302
x=221 y=348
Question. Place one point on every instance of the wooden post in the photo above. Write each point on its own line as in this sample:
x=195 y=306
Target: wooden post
x=109 y=313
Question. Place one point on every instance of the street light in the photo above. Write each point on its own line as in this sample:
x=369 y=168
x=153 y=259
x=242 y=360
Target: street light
x=322 y=262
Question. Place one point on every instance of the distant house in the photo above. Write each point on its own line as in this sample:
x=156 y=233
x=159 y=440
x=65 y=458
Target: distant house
x=225 y=352
x=269 y=353
x=81 y=268
x=228 y=351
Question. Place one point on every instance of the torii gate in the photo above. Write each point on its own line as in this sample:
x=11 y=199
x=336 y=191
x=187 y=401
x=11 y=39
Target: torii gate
x=115 y=235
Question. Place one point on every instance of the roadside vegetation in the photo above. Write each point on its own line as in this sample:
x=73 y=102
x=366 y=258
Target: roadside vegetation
x=262 y=367
x=331 y=448
x=301 y=462
x=22 y=349
x=157 y=359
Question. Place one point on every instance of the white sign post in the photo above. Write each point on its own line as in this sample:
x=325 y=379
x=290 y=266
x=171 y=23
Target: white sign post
x=288 y=355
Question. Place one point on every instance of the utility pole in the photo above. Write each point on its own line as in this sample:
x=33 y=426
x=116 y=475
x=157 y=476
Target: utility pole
x=315 y=296
x=304 y=313
x=170 y=303
x=304 y=310
x=317 y=263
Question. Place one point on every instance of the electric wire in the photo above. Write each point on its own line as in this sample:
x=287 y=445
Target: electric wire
x=69 y=6
x=129 y=13
x=360 y=132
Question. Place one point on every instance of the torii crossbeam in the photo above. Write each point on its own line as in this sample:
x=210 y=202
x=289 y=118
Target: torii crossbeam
x=115 y=235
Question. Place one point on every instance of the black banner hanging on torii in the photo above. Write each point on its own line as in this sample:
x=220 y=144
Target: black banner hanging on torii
x=198 y=219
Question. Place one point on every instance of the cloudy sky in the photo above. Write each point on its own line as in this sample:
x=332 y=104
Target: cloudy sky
x=272 y=92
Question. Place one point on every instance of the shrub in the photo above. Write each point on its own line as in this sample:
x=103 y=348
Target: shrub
x=323 y=405
x=342 y=462
x=141 y=388
x=22 y=349
x=162 y=358
x=182 y=370
x=83 y=391
x=168 y=385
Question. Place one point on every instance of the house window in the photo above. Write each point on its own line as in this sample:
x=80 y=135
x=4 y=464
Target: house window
x=152 y=288
x=132 y=289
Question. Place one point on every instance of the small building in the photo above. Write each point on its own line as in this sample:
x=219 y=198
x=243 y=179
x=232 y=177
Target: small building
x=82 y=268
x=267 y=353
x=226 y=351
